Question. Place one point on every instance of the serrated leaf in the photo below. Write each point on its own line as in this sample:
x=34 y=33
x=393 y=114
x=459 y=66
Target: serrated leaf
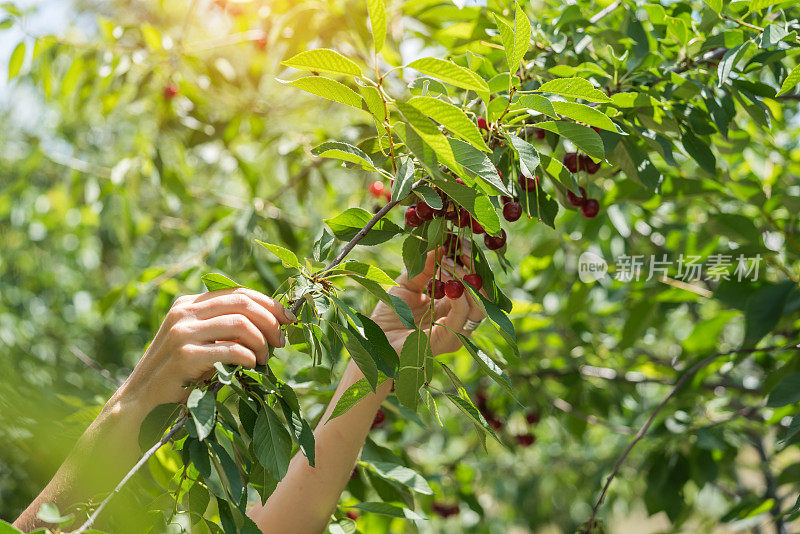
x=583 y=137
x=478 y=164
x=404 y=179
x=344 y=152
x=528 y=155
x=430 y=196
x=791 y=81
x=405 y=476
x=758 y=5
x=323 y=60
x=410 y=375
x=346 y=225
x=216 y=281
x=729 y=61
x=452 y=118
x=583 y=113
x=716 y=5
x=429 y=133
x=377 y=19
x=539 y=104
x=359 y=352
x=387 y=509
x=16 y=60
x=451 y=73
x=486 y=364
x=370 y=272
x=469 y=409
x=574 y=88
x=699 y=151
x=378 y=345
x=202 y=406
x=271 y=442
x=516 y=40
x=287 y=257
x=354 y=394
x=327 y=88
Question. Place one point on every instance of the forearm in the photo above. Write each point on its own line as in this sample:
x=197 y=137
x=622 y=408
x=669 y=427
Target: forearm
x=307 y=496
x=102 y=456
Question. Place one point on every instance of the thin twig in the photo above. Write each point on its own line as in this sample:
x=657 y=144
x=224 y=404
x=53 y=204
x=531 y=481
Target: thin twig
x=89 y=362
x=589 y=525
x=142 y=461
x=602 y=14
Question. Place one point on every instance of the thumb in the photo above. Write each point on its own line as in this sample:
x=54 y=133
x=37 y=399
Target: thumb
x=419 y=282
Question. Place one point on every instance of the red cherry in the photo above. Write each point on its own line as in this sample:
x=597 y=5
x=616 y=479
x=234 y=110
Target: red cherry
x=380 y=417
x=464 y=218
x=532 y=418
x=475 y=280
x=453 y=289
x=377 y=189
x=571 y=162
x=596 y=129
x=494 y=422
x=452 y=242
x=505 y=199
x=588 y=165
x=170 y=91
x=512 y=211
x=526 y=440
x=482 y=124
x=435 y=289
x=528 y=184
x=412 y=219
x=425 y=212
x=352 y=514
x=460 y=181
x=582 y=191
x=591 y=208
x=476 y=227
x=354 y=475
x=444 y=510
x=539 y=134
x=495 y=242
x=451 y=212
x=574 y=200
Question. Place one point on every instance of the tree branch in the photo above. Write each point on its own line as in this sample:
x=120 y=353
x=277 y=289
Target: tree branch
x=590 y=523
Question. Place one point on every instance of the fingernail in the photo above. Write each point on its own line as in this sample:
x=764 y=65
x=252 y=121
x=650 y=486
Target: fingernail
x=283 y=338
x=289 y=315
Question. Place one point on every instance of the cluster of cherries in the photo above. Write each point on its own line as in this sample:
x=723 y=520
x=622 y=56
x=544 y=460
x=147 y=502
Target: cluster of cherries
x=524 y=440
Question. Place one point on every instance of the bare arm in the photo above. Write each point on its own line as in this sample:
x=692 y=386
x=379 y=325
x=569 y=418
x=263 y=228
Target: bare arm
x=304 y=500
x=232 y=326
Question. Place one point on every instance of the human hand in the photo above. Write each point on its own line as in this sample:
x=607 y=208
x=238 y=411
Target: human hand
x=232 y=326
x=449 y=314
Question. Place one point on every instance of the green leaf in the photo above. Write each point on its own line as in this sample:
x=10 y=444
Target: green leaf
x=469 y=409
x=287 y=257
x=791 y=81
x=49 y=513
x=404 y=179
x=476 y=162
x=323 y=60
x=327 y=88
x=271 y=442
x=787 y=392
x=636 y=164
x=794 y=428
x=583 y=113
x=400 y=307
x=539 y=104
x=528 y=156
x=699 y=151
x=378 y=345
x=370 y=272
x=758 y=5
x=429 y=133
x=716 y=5
x=388 y=510
x=344 y=152
x=479 y=206
x=403 y=475
x=430 y=196
x=359 y=352
x=346 y=225
x=377 y=19
x=229 y=469
x=583 y=137
x=451 y=118
x=410 y=376
x=354 y=394
x=763 y=311
x=496 y=315
x=414 y=248
x=772 y=35
x=516 y=40
x=574 y=88
x=486 y=364
x=451 y=73
x=16 y=60
x=202 y=405
x=729 y=61
x=216 y=281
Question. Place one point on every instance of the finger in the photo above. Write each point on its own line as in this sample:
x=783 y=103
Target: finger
x=281 y=312
x=419 y=282
x=442 y=336
x=227 y=352
x=235 y=327
x=241 y=303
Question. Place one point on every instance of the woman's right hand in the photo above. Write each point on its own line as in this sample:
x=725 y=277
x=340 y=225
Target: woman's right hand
x=232 y=326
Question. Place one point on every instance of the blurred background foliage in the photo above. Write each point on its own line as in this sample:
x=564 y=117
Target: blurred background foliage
x=116 y=195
